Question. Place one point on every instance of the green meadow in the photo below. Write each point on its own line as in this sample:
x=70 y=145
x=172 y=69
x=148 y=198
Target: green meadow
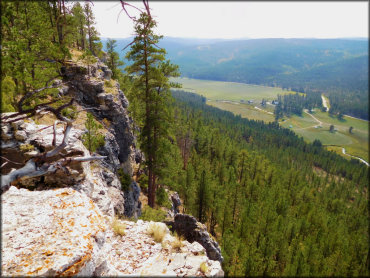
x=227 y=96
x=218 y=90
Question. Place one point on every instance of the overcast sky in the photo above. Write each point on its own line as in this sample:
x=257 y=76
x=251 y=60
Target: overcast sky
x=195 y=19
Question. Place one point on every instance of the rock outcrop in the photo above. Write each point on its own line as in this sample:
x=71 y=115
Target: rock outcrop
x=60 y=224
x=138 y=254
x=176 y=202
x=62 y=232
x=106 y=102
x=106 y=193
x=192 y=230
x=132 y=203
x=50 y=233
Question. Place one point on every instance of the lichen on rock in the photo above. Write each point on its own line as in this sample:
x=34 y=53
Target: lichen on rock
x=50 y=232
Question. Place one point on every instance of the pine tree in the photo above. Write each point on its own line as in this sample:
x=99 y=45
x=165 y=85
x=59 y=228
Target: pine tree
x=92 y=139
x=113 y=60
x=151 y=97
x=93 y=39
x=80 y=22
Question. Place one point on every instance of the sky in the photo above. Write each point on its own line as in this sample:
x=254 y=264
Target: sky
x=240 y=19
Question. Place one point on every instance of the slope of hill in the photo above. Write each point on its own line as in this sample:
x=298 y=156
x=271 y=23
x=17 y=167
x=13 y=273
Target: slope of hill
x=337 y=67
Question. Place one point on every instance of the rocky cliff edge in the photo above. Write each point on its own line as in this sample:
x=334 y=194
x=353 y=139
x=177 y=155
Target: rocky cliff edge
x=61 y=224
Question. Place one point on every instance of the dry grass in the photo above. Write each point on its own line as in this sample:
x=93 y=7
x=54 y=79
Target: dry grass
x=110 y=87
x=45 y=119
x=203 y=267
x=157 y=231
x=106 y=123
x=178 y=242
x=118 y=227
x=76 y=54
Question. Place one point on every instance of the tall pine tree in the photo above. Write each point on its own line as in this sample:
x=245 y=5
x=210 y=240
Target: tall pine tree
x=151 y=97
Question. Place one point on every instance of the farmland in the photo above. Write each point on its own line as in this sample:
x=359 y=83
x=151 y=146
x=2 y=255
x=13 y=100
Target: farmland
x=227 y=96
x=218 y=90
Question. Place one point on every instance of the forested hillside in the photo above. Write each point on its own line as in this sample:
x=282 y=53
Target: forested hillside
x=277 y=205
x=335 y=67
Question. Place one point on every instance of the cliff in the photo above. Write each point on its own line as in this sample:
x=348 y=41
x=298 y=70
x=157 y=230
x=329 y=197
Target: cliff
x=63 y=223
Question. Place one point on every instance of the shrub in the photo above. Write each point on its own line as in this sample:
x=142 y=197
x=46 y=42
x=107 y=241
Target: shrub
x=125 y=180
x=70 y=112
x=109 y=83
x=143 y=181
x=118 y=227
x=26 y=148
x=149 y=214
x=7 y=94
x=203 y=267
x=157 y=231
x=92 y=139
x=177 y=243
x=162 y=198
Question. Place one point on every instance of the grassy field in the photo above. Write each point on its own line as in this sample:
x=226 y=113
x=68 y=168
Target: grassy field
x=218 y=90
x=355 y=144
x=245 y=110
x=227 y=96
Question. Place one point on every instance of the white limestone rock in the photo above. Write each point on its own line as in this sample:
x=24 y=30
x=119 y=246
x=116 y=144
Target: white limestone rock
x=51 y=232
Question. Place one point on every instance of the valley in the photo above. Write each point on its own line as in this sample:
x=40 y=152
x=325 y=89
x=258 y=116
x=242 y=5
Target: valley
x=257 y=165
x=228 y=96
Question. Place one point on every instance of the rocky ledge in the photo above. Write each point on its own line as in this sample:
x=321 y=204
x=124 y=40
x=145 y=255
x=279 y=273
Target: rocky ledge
x=62 y=232
x=194 y=231
x=49 y=233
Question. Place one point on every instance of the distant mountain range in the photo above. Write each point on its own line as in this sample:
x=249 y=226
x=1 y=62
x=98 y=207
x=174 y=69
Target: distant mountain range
x=327 y=65
x=281 y=62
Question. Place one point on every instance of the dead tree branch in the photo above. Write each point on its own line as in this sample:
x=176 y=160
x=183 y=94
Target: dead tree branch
x=38 y=166
x=44 y=163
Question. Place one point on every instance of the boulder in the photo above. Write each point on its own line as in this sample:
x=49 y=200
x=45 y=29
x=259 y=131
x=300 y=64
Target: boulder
x=132 y=202
x=192 y=230
x=176 y=202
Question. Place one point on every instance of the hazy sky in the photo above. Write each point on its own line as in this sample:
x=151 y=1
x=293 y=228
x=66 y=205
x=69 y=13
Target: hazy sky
x=228 y=19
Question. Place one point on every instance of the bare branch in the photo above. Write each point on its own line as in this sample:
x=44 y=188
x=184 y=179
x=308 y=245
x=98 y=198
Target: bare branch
x=54 y=143
x=86 y=158
x=30 y=170
x=58 y=149
x=10 y=161
x=128 y=45
x=31 y=111
x=123 y=4
x=30 y=94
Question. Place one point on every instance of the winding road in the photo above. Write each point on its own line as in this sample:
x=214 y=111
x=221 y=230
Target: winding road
x=324 y=103
x=343 y=149
x=263 y=110
x=363 y=161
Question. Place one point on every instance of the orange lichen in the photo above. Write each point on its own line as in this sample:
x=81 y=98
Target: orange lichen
x=65 y=193
x=76 y=267
x=48 y=253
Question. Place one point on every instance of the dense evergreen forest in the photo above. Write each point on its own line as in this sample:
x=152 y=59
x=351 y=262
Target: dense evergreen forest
x=295 y=103
x=276 y=204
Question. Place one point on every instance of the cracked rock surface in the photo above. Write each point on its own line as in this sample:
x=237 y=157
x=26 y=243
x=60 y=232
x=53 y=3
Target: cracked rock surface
x=138 y=254
x=61 y=232
x=51 y=232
